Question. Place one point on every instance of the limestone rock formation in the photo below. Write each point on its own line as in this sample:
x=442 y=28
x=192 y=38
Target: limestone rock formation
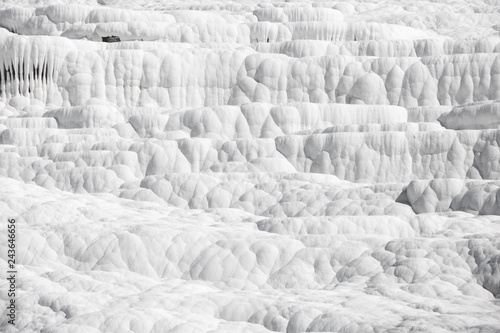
x=229 y=166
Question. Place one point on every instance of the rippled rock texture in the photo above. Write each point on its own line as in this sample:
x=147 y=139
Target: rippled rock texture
x=228 y=166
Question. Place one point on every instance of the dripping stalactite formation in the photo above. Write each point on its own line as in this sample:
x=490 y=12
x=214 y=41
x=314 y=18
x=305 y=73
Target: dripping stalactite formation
x=21 y=79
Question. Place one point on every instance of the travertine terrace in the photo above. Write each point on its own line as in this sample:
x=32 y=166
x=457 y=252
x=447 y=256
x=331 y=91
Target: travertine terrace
x=251 y=166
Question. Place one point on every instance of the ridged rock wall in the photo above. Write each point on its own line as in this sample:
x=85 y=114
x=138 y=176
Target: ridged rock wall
x=251 y=166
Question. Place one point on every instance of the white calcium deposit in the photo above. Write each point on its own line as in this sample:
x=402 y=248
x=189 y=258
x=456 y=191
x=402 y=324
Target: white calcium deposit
x=251 y=166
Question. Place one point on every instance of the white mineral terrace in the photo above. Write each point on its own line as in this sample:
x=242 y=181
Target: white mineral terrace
x=250 y=166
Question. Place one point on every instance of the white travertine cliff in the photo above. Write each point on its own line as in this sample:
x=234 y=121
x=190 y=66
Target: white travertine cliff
x=229 y=166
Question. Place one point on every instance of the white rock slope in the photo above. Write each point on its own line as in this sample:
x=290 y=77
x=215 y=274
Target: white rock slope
x=251 y=166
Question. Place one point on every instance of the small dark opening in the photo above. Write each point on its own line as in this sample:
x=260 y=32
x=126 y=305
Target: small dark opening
x=111 y=39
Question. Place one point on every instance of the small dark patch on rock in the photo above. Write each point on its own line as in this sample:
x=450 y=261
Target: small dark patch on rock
x=111 y=39
x=403 y=198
